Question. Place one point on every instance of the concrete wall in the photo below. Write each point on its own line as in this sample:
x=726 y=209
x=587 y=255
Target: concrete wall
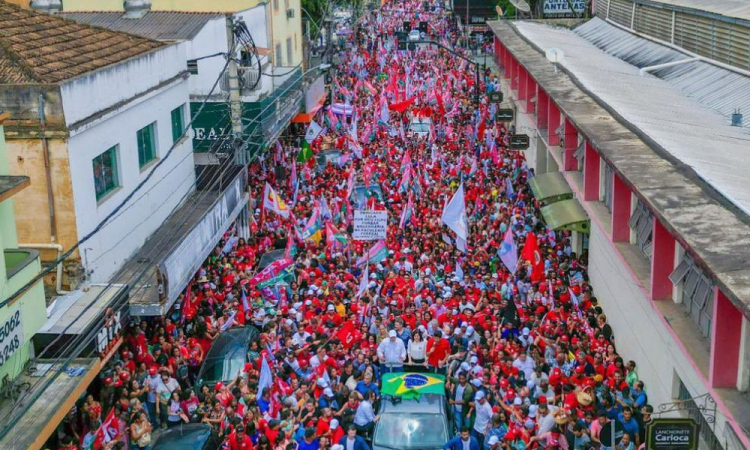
x=126 y=233
x=89 y=95
x=31 y=205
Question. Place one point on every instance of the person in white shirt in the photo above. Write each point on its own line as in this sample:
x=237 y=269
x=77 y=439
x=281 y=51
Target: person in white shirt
x=483 y=419
x=525 y=365
x=300 y=337
x=417 y=348
x=392 y=353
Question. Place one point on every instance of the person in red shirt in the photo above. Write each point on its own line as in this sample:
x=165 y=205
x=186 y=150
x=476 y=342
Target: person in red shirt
x=438 y=350
x=238 y=440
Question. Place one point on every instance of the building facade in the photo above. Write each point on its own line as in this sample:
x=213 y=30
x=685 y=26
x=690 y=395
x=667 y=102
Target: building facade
x=86 y=146
x=615 y=153
x=25 y=315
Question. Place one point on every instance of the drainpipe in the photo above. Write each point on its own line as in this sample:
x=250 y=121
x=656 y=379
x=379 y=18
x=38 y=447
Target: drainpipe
x=51 y=246
x=48 y=172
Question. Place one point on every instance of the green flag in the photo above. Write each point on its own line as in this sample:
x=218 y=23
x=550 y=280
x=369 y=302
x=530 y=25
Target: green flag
x=305 y=153
x=412 y=385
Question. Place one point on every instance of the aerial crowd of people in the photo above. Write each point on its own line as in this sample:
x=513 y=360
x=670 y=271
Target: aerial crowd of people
x=468 y=283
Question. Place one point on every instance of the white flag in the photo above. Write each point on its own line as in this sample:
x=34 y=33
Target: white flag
x=454 y=215
x=272 y=201
x=364 y=282
x=313 y=131
x=266 y=377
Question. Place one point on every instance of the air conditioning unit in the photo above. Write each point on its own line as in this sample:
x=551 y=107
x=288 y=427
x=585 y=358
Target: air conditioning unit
x=290 y=13
x=249 y=78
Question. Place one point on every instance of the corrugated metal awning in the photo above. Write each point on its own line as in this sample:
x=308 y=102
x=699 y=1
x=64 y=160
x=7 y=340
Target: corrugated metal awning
x=566 y=215
x=550 y=187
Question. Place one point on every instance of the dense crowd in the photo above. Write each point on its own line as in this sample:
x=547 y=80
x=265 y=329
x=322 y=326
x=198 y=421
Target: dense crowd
x=529 y=359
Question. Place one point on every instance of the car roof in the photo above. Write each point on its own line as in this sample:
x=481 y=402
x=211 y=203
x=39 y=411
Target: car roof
x=183 y=435
x=427 y=403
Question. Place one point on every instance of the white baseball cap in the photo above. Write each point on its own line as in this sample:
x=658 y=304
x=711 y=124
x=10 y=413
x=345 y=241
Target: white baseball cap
x=392 y=333
x=479 y=395
x=492 y=441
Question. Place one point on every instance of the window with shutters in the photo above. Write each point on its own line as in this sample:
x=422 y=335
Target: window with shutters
x=579 y=154
x=642 y=224
x=289 y=50
x=279 y=56
x=178 y=122
x=146 y=144
x=106 y=174
x=697 y=293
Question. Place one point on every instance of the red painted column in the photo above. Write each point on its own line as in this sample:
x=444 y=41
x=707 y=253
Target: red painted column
x=726 y=334
x=620 y=210
x=514 y=69
x=571 y=143
x=530 y=93
x=553 y=121
x=662 y=262
x=523 y=91
x=507 y=63
x=542 y=109
x=591 y=173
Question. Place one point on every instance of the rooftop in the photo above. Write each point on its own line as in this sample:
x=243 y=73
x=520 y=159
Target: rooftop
x=739 y=9
x=39 y=48
x=158 y=25
x=710 y=227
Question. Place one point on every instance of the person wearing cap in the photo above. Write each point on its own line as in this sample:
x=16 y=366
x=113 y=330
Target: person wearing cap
x=482 y=417
x=239 y=440
x=392 y=353
x=308 y=441
x=352 y=441
x=497 y=431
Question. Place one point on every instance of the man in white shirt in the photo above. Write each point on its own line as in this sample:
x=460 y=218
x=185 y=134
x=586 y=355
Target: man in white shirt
x=300 y=337
x=525 y=364
x=483 y=418
x=392 y=353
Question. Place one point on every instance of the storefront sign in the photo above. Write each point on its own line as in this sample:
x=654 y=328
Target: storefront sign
x=561 y=8
x=370 y=225
x=519 y=142
x=11 y=335
x=672 y=434
x=188 y=256
x=109 y=337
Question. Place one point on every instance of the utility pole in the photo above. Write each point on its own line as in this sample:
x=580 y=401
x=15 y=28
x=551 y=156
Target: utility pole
x=235 y=105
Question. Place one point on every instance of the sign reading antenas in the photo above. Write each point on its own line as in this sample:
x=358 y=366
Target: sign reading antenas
x=370 y=225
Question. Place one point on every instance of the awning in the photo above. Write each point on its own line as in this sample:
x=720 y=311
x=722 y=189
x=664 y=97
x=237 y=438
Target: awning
x=550 y=187
x=566 y=215
x=28 y=421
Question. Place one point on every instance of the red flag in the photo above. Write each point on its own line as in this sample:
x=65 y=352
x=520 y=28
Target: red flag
x=108 y=431
x=532 y=254
x=402 y=106
x=348 y=334
x=367 y=174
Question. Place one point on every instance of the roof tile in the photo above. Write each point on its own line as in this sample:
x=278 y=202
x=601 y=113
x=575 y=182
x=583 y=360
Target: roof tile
x=41 y=48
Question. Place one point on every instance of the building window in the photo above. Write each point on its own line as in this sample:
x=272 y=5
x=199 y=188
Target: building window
x=687 y=403
x=146 y=144
x=178 y=122
x=279 y=56
x=697 y=293
x=275 y=5
x=609 y=186
x=106 y=177
x=579 y=155
x=642 y=223
x=289 y=50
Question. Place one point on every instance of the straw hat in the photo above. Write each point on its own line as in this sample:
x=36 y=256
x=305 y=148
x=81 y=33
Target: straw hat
x=585 y=397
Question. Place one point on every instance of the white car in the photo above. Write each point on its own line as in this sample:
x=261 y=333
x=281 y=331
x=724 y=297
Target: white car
x=414 y=35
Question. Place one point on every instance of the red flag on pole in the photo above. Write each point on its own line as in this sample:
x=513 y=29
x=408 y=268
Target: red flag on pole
x=402 y=106
x=348 y=334
x=532 y=254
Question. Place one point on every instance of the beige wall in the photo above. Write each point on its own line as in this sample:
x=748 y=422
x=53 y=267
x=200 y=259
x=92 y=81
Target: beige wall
x=284 y=28
x=31 y=205
x=22 y=3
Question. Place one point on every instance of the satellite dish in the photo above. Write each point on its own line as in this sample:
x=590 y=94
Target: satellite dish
x=554 y=55
x=499 y=10
x=521 y=5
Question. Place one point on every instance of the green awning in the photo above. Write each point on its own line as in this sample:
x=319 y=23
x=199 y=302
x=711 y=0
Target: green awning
x=550 y=187
x=566 y=215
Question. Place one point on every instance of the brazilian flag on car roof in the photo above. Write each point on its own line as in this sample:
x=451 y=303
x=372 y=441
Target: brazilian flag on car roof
x=412 y=385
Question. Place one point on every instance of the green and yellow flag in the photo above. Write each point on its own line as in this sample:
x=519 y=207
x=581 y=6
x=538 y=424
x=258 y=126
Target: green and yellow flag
x=305 y=153
x=412 y=385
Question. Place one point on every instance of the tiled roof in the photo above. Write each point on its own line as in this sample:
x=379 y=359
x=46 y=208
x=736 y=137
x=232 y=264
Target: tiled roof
x=159 y=25
x=41 y=48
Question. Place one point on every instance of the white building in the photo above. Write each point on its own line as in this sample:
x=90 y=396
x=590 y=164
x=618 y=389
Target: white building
x=95 y=114
x=634 y=148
